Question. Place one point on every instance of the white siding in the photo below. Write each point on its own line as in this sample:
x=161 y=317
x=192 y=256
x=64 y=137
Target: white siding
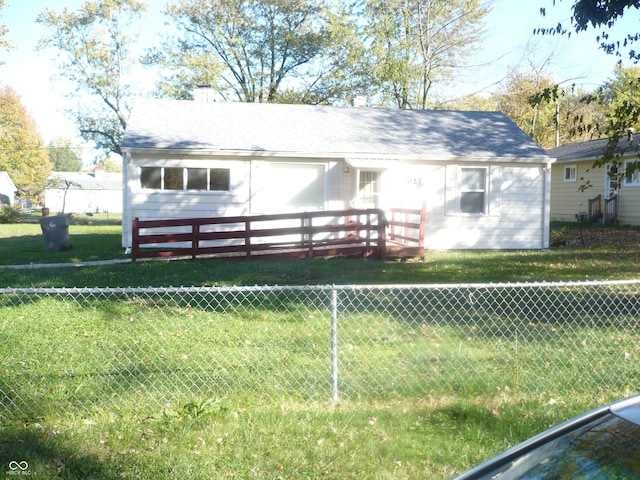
x=84 y=201
x=516 y=218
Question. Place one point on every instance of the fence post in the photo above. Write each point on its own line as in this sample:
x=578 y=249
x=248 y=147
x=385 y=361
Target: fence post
x=334 y=344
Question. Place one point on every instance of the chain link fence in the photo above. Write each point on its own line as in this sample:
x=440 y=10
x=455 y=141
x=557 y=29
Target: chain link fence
x=140 y=349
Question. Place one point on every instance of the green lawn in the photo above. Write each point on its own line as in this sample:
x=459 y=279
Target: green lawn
x=239 y=433
x=615 y=256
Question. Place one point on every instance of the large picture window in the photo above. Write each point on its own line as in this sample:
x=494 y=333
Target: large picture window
x=185 y=178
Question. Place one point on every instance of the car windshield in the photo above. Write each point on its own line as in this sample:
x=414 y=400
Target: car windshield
x=608 y=448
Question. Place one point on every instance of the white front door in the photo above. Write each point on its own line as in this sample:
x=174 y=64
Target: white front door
x=612 y=180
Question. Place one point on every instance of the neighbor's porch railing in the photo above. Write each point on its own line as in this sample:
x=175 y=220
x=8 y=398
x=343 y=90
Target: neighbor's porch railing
x=610 y=212
x=297 y=235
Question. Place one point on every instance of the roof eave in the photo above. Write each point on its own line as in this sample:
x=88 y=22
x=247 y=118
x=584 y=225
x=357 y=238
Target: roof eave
x=335 y=155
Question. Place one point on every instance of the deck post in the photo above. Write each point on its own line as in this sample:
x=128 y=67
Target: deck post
x=247 y=237
x=135 y=234
x=195 y=239
x=382 y=236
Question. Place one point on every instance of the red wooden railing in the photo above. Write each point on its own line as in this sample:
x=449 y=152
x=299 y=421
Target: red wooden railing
x=407 y=225
x=297 y=235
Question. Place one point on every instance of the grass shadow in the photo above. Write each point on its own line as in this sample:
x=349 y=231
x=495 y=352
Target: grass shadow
x=30 y=450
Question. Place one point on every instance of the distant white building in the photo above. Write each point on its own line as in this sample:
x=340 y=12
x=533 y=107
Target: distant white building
x=7 y=189
x=82 y=192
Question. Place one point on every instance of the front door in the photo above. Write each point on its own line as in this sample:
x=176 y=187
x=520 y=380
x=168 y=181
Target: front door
x=612 y=180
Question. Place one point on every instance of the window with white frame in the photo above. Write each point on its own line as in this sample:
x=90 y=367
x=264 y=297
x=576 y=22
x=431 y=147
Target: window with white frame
x=185 y=179
x=632 y=173
x=368 y=188
x=570 y=173
x=472 y=190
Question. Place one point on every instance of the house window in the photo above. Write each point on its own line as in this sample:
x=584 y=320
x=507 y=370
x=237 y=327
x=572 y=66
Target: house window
x=632 y=173
x=570 y=173
x=173 y=179
x=473 y=190
x=196 y=178
x=181 y=179
x=368 y=188
x=219 y=179
x=151 y=178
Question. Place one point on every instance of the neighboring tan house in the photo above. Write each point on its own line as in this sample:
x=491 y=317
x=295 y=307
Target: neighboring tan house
x=607 y=194
x=7 y=189
x=82 y=192
x=484 y=182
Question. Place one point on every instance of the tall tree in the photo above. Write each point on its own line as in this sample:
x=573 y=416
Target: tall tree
x=416 y=43
x=619 y=100
x=625 y=113
x=22 y=152
x=93 y=45
x=63 y=156
x=536 y=120
x=254 y=51
x=601 y=14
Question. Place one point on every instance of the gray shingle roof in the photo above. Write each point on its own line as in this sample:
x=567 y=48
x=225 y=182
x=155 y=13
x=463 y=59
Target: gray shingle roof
x=321 y=130
x=592 y=149
x=89 y=181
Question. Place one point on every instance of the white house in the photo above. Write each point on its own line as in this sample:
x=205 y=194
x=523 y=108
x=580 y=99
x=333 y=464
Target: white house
x=84 y=192
x=7 y=189
x=485 y=183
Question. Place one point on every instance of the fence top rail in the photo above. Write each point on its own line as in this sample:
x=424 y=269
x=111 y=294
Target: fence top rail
x=257 y=218
x=278 y=288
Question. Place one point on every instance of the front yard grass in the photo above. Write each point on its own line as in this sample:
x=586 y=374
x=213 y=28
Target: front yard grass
x=102 y=380
x=241 y=435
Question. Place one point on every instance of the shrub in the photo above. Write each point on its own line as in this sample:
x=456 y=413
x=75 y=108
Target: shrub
x=9 y=214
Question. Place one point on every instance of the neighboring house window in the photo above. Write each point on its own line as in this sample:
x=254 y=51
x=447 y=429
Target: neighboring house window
x=632 y=173
x=570 y=173
x=368 y=188
x=473 y=190
x=179 y=178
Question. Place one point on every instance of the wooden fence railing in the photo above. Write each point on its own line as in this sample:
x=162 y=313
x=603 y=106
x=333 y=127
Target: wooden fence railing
x=297 y=235
x=407 y=226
